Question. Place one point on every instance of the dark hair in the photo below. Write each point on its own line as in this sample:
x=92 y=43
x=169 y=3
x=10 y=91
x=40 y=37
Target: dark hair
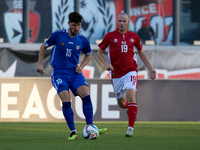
x=75 y=17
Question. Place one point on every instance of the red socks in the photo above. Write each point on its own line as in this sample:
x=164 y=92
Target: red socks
x=132 y=112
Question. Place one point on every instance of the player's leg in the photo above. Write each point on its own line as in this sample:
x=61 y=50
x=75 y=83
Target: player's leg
x=62 y=88
x=132 y=111
x=83 y=92
x=120 y=92
x=79 y=86
x=131 y=87
x=68 y=112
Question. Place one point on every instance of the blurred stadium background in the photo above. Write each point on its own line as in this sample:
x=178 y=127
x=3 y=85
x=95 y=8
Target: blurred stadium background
x=174 y=53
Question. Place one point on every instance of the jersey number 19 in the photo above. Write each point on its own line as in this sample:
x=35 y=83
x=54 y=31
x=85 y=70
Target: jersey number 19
x=124 y=48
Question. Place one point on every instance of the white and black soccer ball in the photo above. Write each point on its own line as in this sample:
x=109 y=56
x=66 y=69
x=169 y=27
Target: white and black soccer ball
x=90 y=132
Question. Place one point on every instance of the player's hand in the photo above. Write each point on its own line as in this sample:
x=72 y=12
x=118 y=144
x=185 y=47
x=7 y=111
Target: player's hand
x=152 y=74
x=109 y=67
x=40 y=69
x=78 y=69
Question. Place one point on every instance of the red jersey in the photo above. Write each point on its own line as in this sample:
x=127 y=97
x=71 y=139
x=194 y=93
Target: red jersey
x=121 y=51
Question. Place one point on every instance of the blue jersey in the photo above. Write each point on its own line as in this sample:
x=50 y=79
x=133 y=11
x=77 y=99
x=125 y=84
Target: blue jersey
x=66 y=51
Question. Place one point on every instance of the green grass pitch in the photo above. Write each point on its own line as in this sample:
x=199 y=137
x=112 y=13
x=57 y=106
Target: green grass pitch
x=147 y=136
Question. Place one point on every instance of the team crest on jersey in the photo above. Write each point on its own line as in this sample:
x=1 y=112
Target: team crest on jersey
x=132 y=40
x=77 y=47
x=62 y=43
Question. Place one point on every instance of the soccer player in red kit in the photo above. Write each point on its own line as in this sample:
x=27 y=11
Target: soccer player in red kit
x=123 y=67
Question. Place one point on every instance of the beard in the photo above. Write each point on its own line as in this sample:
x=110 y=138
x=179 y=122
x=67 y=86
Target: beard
x=72 y=33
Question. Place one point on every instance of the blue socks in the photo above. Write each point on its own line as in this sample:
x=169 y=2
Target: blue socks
x=88 y=109
x=69 y=115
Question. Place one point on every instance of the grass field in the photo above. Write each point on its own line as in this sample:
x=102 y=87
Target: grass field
x=147 y=136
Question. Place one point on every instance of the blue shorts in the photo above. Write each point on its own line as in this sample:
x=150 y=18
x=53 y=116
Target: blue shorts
x=68 y=81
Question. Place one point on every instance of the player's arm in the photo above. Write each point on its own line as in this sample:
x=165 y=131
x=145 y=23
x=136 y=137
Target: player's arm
x=42 y=52
x=103 y=60
x=147 y=63
x=85 y=61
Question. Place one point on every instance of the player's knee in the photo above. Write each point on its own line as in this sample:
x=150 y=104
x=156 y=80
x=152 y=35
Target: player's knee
x=82 y=95
x=64 y=95
x=131 y=99
x=83 y=91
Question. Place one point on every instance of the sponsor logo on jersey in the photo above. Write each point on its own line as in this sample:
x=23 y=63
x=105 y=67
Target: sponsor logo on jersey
x=71 y=43
x=123 y=42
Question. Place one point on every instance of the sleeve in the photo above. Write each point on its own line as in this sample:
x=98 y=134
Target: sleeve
x=105 y=42
x=138 y=44
x=87 y=48
x=52 y=39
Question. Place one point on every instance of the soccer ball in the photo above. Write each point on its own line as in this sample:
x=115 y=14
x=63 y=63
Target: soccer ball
x=90 y=132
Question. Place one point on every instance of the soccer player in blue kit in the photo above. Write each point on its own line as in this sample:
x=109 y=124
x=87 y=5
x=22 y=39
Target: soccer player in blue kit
x=67 y=73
